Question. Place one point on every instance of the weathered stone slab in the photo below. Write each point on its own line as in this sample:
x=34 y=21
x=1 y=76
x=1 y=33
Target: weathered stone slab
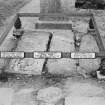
x=68 y=5
x=88 y=44
x=50 y=6
x=84 y=92
x=81 y=26
x=7 y=45
x=85 y=88
x=84 y=100
x=62 y=41
x=35 y=41
x=6 y=96
x=28 y=23
x=53 y=26
x=50 y=95
x=24 y=97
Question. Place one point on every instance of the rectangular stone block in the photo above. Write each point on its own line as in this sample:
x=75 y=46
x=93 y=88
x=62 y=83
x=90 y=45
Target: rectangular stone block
x=53 y=26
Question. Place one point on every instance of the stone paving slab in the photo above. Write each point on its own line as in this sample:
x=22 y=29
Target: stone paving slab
x=85 y=101
x=36 y=41
x=62 y=41
x=6 y=96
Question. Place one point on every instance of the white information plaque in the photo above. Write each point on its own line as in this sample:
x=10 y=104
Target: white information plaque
x=83 y=55
x=51 y=55
x=12 y=55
